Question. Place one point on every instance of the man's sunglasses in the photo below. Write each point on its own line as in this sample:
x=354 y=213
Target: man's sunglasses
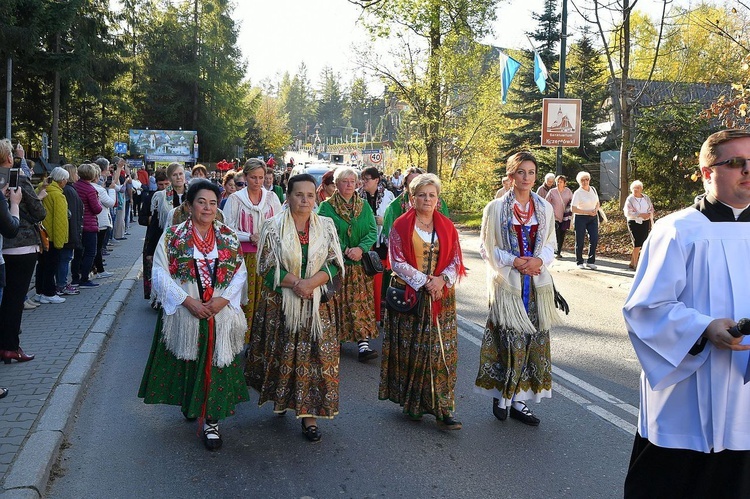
x=737 y=162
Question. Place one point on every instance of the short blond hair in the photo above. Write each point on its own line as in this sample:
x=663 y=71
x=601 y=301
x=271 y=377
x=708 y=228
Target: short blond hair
x=344 y=171
x=173 y=168
x=422 y=181
x=88 y=171
x=6 y=150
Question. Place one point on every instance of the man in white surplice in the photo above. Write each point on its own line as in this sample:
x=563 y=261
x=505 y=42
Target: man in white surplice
x=694 y=284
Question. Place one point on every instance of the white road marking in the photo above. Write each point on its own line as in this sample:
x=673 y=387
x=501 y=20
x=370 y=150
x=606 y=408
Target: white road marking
x=569 y=394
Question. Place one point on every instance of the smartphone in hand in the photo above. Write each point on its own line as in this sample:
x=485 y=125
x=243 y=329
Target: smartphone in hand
x=13 y=178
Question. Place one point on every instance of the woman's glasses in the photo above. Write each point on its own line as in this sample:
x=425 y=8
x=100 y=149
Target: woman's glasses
x=737 y=162
x=240 y=184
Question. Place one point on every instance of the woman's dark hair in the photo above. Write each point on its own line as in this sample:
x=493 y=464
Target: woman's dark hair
x=199 y=185
x=372 y=171
x=160 y=176
x=302 y=177
x=327 y=178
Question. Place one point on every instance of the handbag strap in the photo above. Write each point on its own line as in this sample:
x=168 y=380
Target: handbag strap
x=432 y=247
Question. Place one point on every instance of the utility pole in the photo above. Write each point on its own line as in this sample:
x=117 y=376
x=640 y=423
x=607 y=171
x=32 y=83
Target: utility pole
x=8 y=100
x=561 y=88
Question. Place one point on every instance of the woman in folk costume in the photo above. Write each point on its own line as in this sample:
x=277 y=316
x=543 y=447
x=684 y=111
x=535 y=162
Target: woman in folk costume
x=518 y=243
x=293 y=358
x=161 y=204
x=357 y=230
x=245 y=211
x=420 y=348
x=199 y=276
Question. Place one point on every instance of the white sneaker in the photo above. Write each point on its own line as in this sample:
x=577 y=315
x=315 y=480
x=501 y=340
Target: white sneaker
x=52 y=299
x=581 y=265
x=591 y=266
x=37 y=298
x=104 y=275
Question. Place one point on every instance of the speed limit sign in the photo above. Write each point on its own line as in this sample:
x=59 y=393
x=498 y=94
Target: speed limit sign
x=376 y=157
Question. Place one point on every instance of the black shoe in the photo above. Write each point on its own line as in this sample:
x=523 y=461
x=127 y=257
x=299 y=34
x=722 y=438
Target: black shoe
x=524 y=415
x=211 y=443
x=187 y=418
x=311 y=432
x=449 y=424
x=367 y=354
x=501 y=414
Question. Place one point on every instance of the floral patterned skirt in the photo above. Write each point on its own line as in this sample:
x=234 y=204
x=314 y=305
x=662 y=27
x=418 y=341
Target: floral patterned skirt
x=254 y=287
x=416 y=372
x=515 y=365
x=169 y=380
x=291 y=369
x=355 y=306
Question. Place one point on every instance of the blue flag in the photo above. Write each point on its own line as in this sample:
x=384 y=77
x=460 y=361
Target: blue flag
x=540 y=72
x=509 y=67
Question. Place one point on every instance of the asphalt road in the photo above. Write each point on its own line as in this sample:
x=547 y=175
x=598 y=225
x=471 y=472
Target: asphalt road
x=120 y=447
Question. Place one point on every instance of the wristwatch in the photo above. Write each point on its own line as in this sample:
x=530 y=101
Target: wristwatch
x=445 y=278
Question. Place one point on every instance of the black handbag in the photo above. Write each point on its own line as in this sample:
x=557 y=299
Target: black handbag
x=333 y=287
x=371 y=263
x=395 y=295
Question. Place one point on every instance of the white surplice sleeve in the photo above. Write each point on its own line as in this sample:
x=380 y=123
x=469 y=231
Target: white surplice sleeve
x=413 y=277
x=661 y=321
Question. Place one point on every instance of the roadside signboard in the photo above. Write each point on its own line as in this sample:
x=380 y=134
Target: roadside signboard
x=372 y=157
x=561 y=123
x=164 y=145
x=121 y=147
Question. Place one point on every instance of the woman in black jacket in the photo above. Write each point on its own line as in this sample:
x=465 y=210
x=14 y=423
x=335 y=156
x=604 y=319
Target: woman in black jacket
x=8 y=228
x=20 y=253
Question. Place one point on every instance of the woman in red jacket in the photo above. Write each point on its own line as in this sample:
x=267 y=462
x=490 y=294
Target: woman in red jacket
x=84 y=259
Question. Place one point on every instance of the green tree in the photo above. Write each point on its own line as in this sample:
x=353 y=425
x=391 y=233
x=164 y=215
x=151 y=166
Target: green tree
x=435 y=26
x=329 y=110
x=586 y=79
x=297 y=98
x=664 y=153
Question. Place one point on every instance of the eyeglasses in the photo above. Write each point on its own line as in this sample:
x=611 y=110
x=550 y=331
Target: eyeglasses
x=367 y=179
x=737 y=162
x=240 y=184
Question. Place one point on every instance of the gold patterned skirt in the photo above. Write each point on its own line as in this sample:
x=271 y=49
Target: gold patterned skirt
x=355 y=306
x=254 y=286
x=515 y=365
x=291 y=369
x=416 y=372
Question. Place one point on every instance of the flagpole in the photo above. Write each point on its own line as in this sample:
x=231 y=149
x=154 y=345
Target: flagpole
x=561 y=88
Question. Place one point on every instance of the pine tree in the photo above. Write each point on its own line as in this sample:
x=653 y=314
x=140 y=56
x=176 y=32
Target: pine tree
x=586 y=78
x=525 y=101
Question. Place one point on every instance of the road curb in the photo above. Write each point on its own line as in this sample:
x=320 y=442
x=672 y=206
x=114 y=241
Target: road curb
x=29 y=474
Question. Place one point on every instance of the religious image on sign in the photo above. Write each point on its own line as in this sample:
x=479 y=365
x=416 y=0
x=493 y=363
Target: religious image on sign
x=561 y=121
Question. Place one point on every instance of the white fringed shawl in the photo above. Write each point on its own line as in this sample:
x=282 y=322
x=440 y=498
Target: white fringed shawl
x=279 y=245
x=180 y=329
x=504 y=282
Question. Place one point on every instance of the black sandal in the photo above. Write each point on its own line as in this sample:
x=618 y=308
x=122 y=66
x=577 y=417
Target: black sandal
x=501 y=414
x=3 y=392
x=211 y=443
x=524 y=415
x=311 y=432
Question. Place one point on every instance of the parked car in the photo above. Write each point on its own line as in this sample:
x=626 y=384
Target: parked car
x=317 y=170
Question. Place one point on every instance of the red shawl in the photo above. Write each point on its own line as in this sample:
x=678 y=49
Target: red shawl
x=448 y=238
